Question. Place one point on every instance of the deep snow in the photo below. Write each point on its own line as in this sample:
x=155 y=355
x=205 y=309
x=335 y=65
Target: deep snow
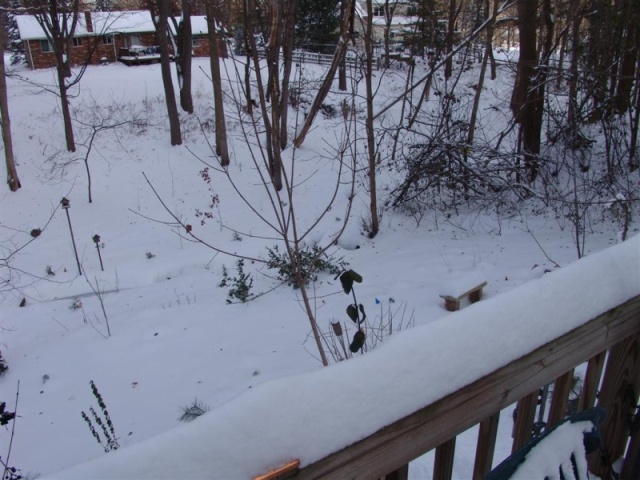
x=174 y=338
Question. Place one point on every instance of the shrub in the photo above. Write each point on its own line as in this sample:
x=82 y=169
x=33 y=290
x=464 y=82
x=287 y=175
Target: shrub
x=193 y=411
x=240 y=285
x=310 y=261
x=110 y=441
x=3 y=365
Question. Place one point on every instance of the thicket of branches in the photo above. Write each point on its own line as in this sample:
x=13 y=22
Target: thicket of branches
x=569 y=146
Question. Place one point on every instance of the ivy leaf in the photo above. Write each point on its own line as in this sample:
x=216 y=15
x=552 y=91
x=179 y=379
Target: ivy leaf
x=347 y=282
x=356 y=277
x=352 y=311
x=358 y=341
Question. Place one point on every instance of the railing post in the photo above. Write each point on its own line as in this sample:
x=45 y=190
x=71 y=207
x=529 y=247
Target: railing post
x=560 y=398
x=619 y=395
x=400 y=474
x=443 y=464
x=487 y=434
x=591 y=382
x=525 y=414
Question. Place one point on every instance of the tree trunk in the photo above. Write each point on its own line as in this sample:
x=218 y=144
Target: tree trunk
x=572 y=114
x=629 y=53
x=165 y=67
x=64 y=106
x=12 y=174
x=524 y=101
x=371 y=146
x=247 y=66
x=184 y=57
x=273 y=152
x=448 y=66
x=213 y=15
x=291 y=8
x=328 y=79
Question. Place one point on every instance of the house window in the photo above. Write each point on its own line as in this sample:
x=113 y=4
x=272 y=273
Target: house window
x=46 y=46
x=378 y=12
x=107 y=39
x=132 y=41
x=195 y=41
x=412 y=11
x=76 y=41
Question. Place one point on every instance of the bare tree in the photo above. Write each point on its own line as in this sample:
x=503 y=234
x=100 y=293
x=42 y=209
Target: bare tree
x=59 y=21
x=162 y=30
x=12 y=173
x=183 y=48
x=215 y=41
x=338 y=57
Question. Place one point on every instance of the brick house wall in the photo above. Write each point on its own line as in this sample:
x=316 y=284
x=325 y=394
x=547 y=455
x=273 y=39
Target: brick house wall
x=109 y=47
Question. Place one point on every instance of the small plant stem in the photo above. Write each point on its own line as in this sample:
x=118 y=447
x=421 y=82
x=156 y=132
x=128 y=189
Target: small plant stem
x=100 y=257
x=73 y=241
x=13 y=429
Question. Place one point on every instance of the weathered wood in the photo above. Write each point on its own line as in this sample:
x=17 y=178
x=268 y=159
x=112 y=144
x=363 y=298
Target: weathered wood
x=401 y=473
x=287 y=470
x=619 y=394
x=452 y=302
x=524 y=417
x=408 y=438
x=631 y=468
x=487 y=434
x=592 y=381
x=443 y=463
x=560 y=398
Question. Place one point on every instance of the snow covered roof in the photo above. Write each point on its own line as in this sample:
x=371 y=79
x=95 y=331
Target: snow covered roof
x=104 y=23
x=138 y=21
x=396 y=21
x=199 y=25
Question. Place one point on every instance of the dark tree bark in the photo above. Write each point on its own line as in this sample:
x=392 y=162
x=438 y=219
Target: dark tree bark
x=59 y=25
x=290 y=8
x=12 y=174
x=448 y=66
x=374 y=225
x=213 y=24
x=524 y=100
x=165 y=68
x=183 y=62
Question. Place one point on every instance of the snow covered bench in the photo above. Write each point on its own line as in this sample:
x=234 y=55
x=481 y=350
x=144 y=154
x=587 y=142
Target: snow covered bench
x=455 y=291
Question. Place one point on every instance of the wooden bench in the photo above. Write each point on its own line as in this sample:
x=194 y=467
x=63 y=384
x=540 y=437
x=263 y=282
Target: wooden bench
x=470 y=287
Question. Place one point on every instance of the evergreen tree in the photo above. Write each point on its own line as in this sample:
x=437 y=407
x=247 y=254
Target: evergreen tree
x=103 y=5
x=318 y=25
x=13 y=35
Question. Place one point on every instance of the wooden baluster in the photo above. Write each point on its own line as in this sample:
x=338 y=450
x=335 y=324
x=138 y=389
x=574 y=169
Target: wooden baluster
x=487 y=434
x=443 y=464
x=525 y=414
x=400 y=474
x=560 y=398
x=620 y=387
x=591 y=382
x=631 y=468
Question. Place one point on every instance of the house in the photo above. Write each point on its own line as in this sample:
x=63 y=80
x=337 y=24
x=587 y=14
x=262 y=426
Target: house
x=398 y=17
x=103 y=37
x=98 y=37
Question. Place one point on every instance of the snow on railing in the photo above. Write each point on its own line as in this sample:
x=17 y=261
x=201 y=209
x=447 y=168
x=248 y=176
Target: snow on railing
x=369 y=416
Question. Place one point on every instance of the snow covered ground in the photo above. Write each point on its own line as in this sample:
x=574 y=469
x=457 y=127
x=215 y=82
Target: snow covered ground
x=173 y=337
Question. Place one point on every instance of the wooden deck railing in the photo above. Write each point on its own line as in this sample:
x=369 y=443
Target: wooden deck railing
x=610 y=344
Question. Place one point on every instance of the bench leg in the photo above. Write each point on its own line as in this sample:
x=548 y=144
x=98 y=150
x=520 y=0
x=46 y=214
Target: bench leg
x=475 y=296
